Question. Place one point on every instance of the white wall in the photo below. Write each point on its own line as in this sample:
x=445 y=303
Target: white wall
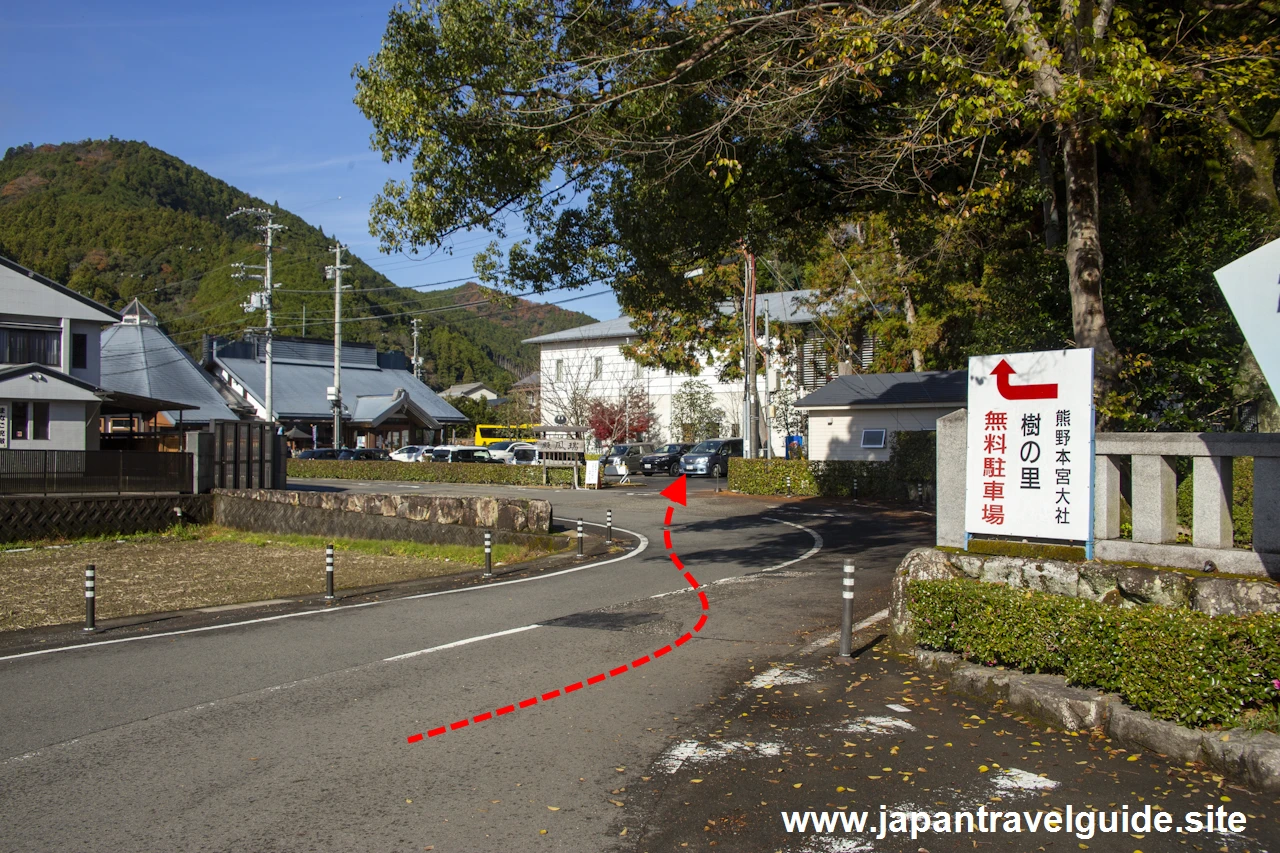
x=836 y=434
x=67 y=427
x=617 y=374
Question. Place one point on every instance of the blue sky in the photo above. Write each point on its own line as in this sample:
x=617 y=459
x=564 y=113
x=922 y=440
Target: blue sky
x=257 y=94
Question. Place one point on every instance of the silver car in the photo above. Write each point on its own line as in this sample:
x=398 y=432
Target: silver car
x=710 y=458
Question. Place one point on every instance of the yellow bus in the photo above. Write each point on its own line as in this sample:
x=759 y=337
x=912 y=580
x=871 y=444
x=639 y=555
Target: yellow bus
x=487 y=434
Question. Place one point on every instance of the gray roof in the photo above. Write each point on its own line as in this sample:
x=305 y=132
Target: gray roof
x=533 y=380
x=939 y=387
x=97 y=312
x=462 y=389
x=301 y=390
x=140 y=359
x=784 y=307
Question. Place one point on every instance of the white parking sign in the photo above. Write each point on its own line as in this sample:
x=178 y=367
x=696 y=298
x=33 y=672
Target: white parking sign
x=1029 y=471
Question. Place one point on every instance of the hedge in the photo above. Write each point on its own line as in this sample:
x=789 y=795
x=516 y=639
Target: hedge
x=428 y=472
x=1241 y=500
x=912 y=460
x=1175 y=664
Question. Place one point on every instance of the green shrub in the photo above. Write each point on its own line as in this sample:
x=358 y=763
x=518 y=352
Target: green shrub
x=428 y=472
x=1241 y=501
x=1175 y=664
x=912 y=460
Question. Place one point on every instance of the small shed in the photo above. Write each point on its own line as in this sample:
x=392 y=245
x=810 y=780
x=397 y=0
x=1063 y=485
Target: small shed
x=854 y=417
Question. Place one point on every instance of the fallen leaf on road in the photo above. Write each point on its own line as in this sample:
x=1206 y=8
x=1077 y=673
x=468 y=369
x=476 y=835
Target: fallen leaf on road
x=695 y=781
x=553 y=808
x=797 y=785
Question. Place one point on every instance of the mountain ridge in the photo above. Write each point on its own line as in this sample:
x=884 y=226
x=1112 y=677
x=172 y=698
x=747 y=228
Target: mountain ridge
x=115 y=219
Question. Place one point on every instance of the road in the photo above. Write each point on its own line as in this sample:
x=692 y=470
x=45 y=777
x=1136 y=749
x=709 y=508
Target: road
x=293 y=734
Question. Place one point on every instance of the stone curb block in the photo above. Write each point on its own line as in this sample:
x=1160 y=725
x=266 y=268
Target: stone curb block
x=1248 y=758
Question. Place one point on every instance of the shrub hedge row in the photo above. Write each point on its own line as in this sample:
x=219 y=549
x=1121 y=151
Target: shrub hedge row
x=911 y=461
x=1175 y=664
x=427 y=472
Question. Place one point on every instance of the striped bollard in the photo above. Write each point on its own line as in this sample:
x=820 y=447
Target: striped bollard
x=846 y=626
x=608 y=527
x=580 y=537
x=488 y=554
x=788 y=485
x=328 y=573
x=89 y=584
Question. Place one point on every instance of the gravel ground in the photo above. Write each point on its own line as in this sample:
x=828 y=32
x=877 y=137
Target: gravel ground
x=46 y=586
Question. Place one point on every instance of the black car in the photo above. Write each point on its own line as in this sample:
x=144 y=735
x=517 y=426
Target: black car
x=365 y=454
x=319 y=453
x=664 y=460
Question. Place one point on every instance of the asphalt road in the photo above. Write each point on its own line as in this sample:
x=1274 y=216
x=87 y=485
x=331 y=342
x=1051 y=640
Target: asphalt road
x=293 y=734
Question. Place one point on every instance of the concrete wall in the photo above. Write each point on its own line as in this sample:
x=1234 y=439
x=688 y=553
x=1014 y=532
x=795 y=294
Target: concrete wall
x=836 y=434
x=69 y=425
x=26 y=518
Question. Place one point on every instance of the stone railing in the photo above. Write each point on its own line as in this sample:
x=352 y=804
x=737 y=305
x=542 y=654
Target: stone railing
x=1154 y=491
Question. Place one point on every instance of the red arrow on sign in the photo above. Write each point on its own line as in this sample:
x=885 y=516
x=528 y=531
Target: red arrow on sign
x=1010 y=391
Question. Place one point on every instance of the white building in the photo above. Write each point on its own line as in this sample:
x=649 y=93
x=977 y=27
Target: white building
x=50 y=366
x=587 y=362
x=855 y=417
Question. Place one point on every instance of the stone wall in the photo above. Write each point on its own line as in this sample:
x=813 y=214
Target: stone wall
x=1119 y=585
x=74 y=517
x=415 y=518
x=515 y=514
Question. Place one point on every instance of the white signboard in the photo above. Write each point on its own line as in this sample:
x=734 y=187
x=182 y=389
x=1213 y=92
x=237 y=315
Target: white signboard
x=1250 y=287
x=593 y=472
x=1029 y=470
x=562 y=445
x=4 y=426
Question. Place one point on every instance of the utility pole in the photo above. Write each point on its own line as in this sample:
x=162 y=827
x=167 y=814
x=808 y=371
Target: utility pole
x=768 y=392
x=262 y=299
x=335 y=393
x=749 y=358
x=416 y=374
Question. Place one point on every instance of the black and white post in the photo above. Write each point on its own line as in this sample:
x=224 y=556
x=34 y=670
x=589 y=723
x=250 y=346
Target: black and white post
x=488 y=554
x=608 y=527
x=90 y=582
x=328 y=573
x=846 y=625
x=580 y=552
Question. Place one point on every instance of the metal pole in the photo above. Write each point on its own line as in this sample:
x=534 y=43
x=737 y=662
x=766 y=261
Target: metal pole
x=488 y=554
x=328 y=573
x=608 y=527
x=268 y=396
x=788 y=485
x=768 y=394
x=846 y=626
x=579 y=537
x=89 y=583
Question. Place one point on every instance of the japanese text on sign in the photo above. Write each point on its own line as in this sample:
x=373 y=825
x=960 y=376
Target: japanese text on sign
x=1029 y=466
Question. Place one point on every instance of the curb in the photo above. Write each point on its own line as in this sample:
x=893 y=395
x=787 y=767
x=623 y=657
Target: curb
x=1249 y=758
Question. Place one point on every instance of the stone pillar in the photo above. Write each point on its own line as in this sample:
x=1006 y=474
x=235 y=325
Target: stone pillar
x=1155 y=499
x=200 y=446
x=1266 y=504
x=1106 y=498
x=952 y=453
x=1211 y=502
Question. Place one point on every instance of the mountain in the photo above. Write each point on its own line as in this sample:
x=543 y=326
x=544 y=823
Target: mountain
x=114 y=220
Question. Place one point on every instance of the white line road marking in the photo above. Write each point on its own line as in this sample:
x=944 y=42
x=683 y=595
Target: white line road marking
x=777 y=675
x=458 y=643
x=876 y=725
x=901 y=709
x=693 y=752
x=834 y=636
x=640 y=548
x=1014 y=780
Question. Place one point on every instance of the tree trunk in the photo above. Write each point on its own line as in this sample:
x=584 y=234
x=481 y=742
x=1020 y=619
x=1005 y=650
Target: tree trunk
x=1084 y=255
x=908 y=304
x=1052 y=219
x=1254 y=160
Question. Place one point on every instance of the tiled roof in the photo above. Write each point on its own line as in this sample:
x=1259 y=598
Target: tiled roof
x=940 y=387
x=783 y=307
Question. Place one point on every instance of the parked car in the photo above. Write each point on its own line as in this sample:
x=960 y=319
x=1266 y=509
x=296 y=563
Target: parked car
x=665 y=459
x=631 y=454
x=461 y=453
x=410 y=453
x=711 y=457
x=365 y=454
x=319 y=453
x=525 y=455
x=503 y=450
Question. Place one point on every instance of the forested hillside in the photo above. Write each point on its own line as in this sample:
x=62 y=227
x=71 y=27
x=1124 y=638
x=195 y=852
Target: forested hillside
x=114 y=220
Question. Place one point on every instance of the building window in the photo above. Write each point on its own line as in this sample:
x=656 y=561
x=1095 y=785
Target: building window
x=25 y=346
x=599 y=368
x=79 y=351
x=873 y=438
x=18 y=423
x=559 y=369
x=40 y=421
